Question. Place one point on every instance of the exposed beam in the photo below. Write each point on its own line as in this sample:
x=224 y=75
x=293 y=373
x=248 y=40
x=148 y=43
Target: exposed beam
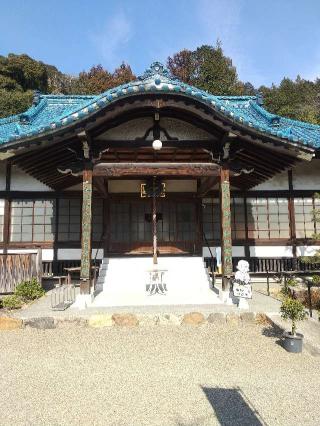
x=156 y=169
x=205 y=143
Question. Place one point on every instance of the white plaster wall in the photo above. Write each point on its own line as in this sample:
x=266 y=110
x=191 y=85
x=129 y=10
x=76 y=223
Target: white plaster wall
x=271 y=251
x=138 y=127
x=99 y=255
x=278 y=182
x=237 y=251
x=133 y=186
x=75 y=254
x=77 y=187
x=2 y=175
x=47 y=254
x=307 y=250
x=122 y=186
x=307 y=175
x=21 y=181
x=181 y=185
x=69 y=254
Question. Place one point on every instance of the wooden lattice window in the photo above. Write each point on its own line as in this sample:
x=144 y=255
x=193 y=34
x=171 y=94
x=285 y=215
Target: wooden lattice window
x=69 y=220
x=211 y=219
x=238 y=222
x=32 y=221
x=97 y=219
x=1 y=218
x=268 y=218
x=306 y=227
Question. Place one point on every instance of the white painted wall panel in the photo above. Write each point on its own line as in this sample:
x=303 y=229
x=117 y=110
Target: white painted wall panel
x=133 y=186
x=77 y=187
x=47 y=254
x=69 y=254
x=181 y=185
x=307 y=175
x=21 y=181
x=278 y=182
x=271 y=251
x=307 y=250
x=75 y=254
x=2 y=175
x=124 y=186
x=138 y=127
x=237 y=251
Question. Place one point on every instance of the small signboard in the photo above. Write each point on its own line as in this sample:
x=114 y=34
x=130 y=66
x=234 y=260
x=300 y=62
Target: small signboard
x=242 y=290
x=153 y=189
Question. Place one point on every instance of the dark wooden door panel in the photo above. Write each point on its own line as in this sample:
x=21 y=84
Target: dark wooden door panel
x=130 y=227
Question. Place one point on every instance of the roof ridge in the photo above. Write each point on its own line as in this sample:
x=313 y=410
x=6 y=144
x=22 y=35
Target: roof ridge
x=55 y=111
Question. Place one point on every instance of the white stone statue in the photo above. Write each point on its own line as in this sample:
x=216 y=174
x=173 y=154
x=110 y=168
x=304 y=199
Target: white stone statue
x=242 y=274
x=242 y=284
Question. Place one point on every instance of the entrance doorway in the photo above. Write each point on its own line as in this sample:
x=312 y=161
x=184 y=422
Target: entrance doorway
x=130 y=226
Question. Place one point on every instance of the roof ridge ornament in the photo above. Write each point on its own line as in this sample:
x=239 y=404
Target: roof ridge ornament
x=259 y=97
x=36 y=97
x=156 y=69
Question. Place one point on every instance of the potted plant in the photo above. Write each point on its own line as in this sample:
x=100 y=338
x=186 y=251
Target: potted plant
x=292 y=309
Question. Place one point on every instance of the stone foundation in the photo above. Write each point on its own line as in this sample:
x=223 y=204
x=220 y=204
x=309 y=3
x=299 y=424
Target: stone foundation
x=233 y=319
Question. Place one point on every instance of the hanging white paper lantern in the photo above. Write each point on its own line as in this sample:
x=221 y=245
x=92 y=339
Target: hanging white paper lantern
x=157 y=145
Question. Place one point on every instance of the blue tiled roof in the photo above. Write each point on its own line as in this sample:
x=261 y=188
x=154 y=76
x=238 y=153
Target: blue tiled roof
x=51 y=112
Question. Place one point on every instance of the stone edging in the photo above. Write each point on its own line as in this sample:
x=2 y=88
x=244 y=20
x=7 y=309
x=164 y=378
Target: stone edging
x=132 y=320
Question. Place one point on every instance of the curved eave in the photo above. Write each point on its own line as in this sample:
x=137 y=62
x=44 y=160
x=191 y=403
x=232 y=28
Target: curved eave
x=79 y=117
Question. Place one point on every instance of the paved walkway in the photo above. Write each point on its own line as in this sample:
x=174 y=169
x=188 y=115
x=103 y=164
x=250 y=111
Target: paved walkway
x=168 y=376
x=42 y=308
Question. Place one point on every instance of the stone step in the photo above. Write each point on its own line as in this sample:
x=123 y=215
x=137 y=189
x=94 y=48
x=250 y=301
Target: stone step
x=123 y=281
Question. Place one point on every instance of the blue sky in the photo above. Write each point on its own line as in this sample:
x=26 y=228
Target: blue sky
x=265 y=39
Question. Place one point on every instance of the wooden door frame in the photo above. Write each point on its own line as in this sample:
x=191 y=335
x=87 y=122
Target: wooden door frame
x=164 y=249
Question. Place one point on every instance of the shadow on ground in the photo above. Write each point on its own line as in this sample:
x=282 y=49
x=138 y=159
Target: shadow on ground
x=231 y=408
x=273 y=331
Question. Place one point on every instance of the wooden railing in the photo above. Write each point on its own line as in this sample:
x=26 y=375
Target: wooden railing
x=56 y=267
x=17 y=267
x=275 y=265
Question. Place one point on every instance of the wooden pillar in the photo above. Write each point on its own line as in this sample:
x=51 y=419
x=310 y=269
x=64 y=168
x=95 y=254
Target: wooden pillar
x=226 y=240
x=6 y=218
x=86 y=236
x=247 y=245
x=292 y=218
x=154 y=228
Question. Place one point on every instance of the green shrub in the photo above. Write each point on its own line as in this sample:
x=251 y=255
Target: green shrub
x=316 y=279
x=29 y=290
x=291 y=281
x=12 y=302
x=292 y=309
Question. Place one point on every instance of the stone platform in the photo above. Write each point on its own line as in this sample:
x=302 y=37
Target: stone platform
x=42 y=308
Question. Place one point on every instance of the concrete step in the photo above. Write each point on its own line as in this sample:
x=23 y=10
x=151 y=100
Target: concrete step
x=123 y=281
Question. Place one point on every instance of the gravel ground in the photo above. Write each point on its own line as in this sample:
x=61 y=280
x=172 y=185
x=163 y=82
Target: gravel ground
x=183 y=376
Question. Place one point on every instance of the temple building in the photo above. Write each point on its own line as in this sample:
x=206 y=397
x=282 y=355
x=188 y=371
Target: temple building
x=157 y=169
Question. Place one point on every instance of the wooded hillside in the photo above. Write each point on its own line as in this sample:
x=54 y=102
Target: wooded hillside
x=206 y=67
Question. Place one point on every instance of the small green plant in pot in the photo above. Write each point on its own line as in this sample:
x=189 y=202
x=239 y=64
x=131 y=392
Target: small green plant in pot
x=292 y=309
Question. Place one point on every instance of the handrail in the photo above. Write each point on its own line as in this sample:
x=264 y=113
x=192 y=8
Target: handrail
x=309 y=284
x=212 y=257
x=95 y=258
x=207 y=244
